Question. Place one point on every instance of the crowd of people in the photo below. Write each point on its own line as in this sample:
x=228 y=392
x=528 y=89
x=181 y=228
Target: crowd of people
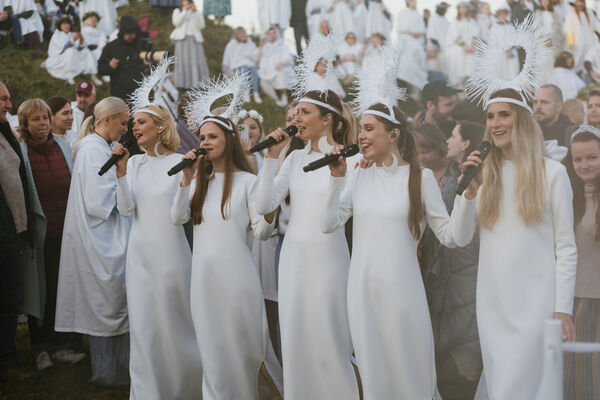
x=371 y=270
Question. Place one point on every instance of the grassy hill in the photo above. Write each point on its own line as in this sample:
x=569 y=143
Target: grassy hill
x=20 y=69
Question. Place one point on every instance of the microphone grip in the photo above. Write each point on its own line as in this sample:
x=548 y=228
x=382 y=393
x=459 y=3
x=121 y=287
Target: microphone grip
x=321 y=162
x=466 y=179
x=111 y=161
x=185 y=163
x=263 y=145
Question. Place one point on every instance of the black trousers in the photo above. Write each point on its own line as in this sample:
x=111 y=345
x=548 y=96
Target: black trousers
x=300 y=31
x=11 y=298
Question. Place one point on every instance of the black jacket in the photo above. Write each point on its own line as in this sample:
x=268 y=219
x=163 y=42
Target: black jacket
x=131 y=68
x=7 y=225
x=558 y=130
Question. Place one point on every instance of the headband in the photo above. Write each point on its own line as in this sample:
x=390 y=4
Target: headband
x=318 y=103
x=218 y=121
x=383 y=115
x=519 y=103
x=149 y=111
x=586 y=128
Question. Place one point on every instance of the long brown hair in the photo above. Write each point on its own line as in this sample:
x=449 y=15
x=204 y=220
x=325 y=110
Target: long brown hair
x=235 y=158
x=340 y=126
x=578 y=185
x=408 y=151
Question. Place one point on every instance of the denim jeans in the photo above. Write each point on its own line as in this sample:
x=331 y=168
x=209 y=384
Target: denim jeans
x=251 y=69
x=16 y=25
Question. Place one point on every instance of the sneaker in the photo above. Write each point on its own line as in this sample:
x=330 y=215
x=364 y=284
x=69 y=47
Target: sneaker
x=106 y=78
x=257 y=98
x=43 y=361
x=70 y=81
x=247 y=97
x=68 y=357
x=284 y=100
x=97 y=81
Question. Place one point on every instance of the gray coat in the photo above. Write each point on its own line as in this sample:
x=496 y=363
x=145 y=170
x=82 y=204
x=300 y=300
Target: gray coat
x=34 y=296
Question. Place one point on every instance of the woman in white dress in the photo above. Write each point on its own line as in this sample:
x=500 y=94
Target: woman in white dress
x=460 y=46
x=579 y=26
x=313 y=267
x=94 y=37
x=164 y=362
x=227 y=300
x=67 y=55
x=106 y=9
x=91 y=296
x=391 y=203
x=350 y=52
x=522 y=203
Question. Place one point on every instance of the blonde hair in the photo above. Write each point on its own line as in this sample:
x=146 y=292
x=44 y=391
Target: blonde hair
x=25 y=110
x=108 y=107
x=348 y=113
x=169 y=136
x=528 y=152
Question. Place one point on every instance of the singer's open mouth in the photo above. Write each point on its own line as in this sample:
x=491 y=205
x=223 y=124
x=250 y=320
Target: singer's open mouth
x=499 y=133
x=138 y=136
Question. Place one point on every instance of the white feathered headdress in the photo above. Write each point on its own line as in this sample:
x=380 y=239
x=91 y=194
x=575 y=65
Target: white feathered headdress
x=320 y=49
x=377 y=83
x=202 y=98
x=152 y=82
x=486 y=78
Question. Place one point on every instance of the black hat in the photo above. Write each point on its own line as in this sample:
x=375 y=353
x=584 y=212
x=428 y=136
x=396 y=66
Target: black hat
x=433 y=89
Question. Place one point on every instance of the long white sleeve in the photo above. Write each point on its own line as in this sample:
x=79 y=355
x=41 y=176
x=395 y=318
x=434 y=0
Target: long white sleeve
x=435 y=209
x=99 y=192
x=561 y=201
x=337 y=207
x=272 y=187
x=464 y=220
x=178 y=18
x=125 y=200
x=261 y=229
x=180 y=209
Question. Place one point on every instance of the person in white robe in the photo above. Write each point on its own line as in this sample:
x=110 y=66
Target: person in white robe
x=564 y=76
x=379 y=19
x=350 y=53
x=485 y=21
x=592 y=64
x=327 y=81
x=579 y=28
x=313 y=267
x=508 y=66
x=359 y=18
x=437 y=30
x=107 y=11
x=29 y=19
x=227 y=301
x=275 y=67
x=240 y=53
x=341 y=18
x=164 y=359
x=316 y=12
x=68 y=55
x=94 y=38
x=91 y=297
x=460 y=46
x=274 y=13
x=526 y=241
x=410 y=31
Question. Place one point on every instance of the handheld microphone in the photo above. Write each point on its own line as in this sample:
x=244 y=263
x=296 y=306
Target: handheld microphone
x=484 y=149
x=290 y=130
x=186 y=163
x=347 y=151
x=126 y=142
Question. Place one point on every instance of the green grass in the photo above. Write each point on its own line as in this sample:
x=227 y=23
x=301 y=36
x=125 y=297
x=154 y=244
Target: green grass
x=20 y=69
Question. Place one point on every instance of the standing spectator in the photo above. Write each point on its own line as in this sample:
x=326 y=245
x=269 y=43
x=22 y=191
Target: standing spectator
x=564 y=76
x=437 y=30
x=583 y=164
x=574 y=110
x=120 y=59
x=274 y=13
x=240 y=53
x=218 y=8
x=410 y=31
x=460 y=40
x=48 y=164
x=591 y=64
x=85 y=95
x=551 y=25
x=359 y=16
x=485 y=20
x=439 y=100
x=68 y=57
x=165 y=5
x=547 y=106
x=509 y=64
x=379 y=19
x=579 y=27
x=62 y=118
x=95 y=38
x=190 y=62
x=15 y=213
x=593 y=108
x=298 y=22
x=274 y=68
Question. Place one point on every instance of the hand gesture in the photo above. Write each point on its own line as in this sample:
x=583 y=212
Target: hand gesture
x=338 y=167
x=188 y=172
x=282 y=138
x=472 y=161
x=121 y=163
x=113 y=63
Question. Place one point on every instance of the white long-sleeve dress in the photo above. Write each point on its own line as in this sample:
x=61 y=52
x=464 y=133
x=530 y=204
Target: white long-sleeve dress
x=226 y=296
x=67 y=62
x=91 y=283
x=387 y=308
x=526 y=273
x=313 y=275
x=583 y=34
x=165 y=361
x=94 y=37
x=458 y=61
x=107 y=11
